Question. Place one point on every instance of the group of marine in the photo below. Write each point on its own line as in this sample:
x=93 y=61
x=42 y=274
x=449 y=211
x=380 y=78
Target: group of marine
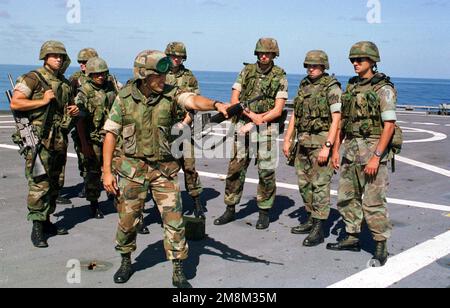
x=122 y=135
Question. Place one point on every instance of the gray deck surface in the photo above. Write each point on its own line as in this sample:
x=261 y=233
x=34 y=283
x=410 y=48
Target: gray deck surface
x=236 y=255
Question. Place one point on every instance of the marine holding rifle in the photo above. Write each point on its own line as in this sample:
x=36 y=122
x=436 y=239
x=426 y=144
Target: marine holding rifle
x=143 y=115
x=266 y=79
x=43 y=97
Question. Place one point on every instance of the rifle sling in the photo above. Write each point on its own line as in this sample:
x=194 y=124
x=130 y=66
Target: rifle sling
x=46 y=87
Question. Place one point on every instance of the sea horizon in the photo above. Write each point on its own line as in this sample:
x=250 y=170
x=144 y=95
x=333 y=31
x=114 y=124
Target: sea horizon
x=218 y=84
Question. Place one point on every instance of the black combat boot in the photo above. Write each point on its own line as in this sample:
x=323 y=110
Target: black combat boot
x=63 y=201
x=95 y=210
x=198 y=210
x=227 y=217
x=125 y=271
x=350 y=243
x=316 y=236
x=52 y=229
x=381 y=254
x=82 y=193
x=37 y=235
x=304 y=228
x=263 y=220
x=141 y=229
x=179 y=280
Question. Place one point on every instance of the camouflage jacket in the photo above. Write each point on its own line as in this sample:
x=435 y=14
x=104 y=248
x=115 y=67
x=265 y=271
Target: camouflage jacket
x=185 y=80
x=76 y=80
x=314 y=105
x=366 y=105
x=94 y=103
x=52 y=127
x=145 y=129
x=272 y=84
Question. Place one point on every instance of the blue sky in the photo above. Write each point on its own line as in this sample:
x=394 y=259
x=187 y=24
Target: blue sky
x=413 y=36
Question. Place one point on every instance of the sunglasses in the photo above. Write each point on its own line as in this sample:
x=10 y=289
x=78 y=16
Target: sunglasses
x=358 y=60
x=96 y=75
x=82 y=62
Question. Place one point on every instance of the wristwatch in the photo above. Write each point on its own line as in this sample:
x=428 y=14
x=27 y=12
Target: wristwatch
x=328 y=144
x=378 y=154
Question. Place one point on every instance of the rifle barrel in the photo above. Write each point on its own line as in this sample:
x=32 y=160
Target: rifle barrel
x=11 y=81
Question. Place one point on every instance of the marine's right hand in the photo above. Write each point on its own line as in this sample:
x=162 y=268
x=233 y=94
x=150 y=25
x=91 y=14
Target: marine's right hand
x=223 y=109
x=49 y=95
x=287 y=148
x=110 y=184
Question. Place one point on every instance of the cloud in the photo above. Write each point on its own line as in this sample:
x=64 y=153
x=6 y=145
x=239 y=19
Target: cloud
x=22 y=27
x=355 y=18
x=435 y=3
x=61 y=4
x=5 y=15
x=212 y=3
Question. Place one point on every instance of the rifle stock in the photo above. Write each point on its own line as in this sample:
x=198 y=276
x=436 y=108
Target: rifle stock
x=29 y=140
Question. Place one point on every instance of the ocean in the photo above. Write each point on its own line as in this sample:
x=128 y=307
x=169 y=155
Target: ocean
x=217 y=85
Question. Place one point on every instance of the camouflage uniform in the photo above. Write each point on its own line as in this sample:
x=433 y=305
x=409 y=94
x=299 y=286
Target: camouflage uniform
x=251 y=83
x=145 y=122
x=185 y=80
x=366 y=105
x=95 y=102
x=76 y=80
x=43 y=191
x=147 y=163
x=314 y=105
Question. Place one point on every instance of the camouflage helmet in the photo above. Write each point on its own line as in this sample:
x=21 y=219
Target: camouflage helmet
x=96 y=65
x=52 y=47
x=151 y=62
x=267 y=45
x=365 y=50
x=317 y=57
x=86 y=54
x=176 y=49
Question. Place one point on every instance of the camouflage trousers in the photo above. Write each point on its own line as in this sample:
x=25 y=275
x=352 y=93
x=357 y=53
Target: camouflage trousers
x=43 y=191
x=191 y=177
x=362 y=198
x=130 y=205
x=80 y=155
x=267 y=159
x=314 y=182
x=93 y=167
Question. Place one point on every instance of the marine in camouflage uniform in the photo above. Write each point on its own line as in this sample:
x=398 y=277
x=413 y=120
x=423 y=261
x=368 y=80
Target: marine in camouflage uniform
x=369 y=116
x=76 y=80
x=266 y=79
x=143 y=114
x=95 y=97
x=315 y=124
x=185 y=80
x=44 y=96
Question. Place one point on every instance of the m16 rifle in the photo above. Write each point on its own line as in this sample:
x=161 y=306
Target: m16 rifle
x=238 y=109
x=29 y=140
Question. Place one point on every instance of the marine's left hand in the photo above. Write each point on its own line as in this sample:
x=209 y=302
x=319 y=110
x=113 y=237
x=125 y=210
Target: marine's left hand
x=372 y=167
